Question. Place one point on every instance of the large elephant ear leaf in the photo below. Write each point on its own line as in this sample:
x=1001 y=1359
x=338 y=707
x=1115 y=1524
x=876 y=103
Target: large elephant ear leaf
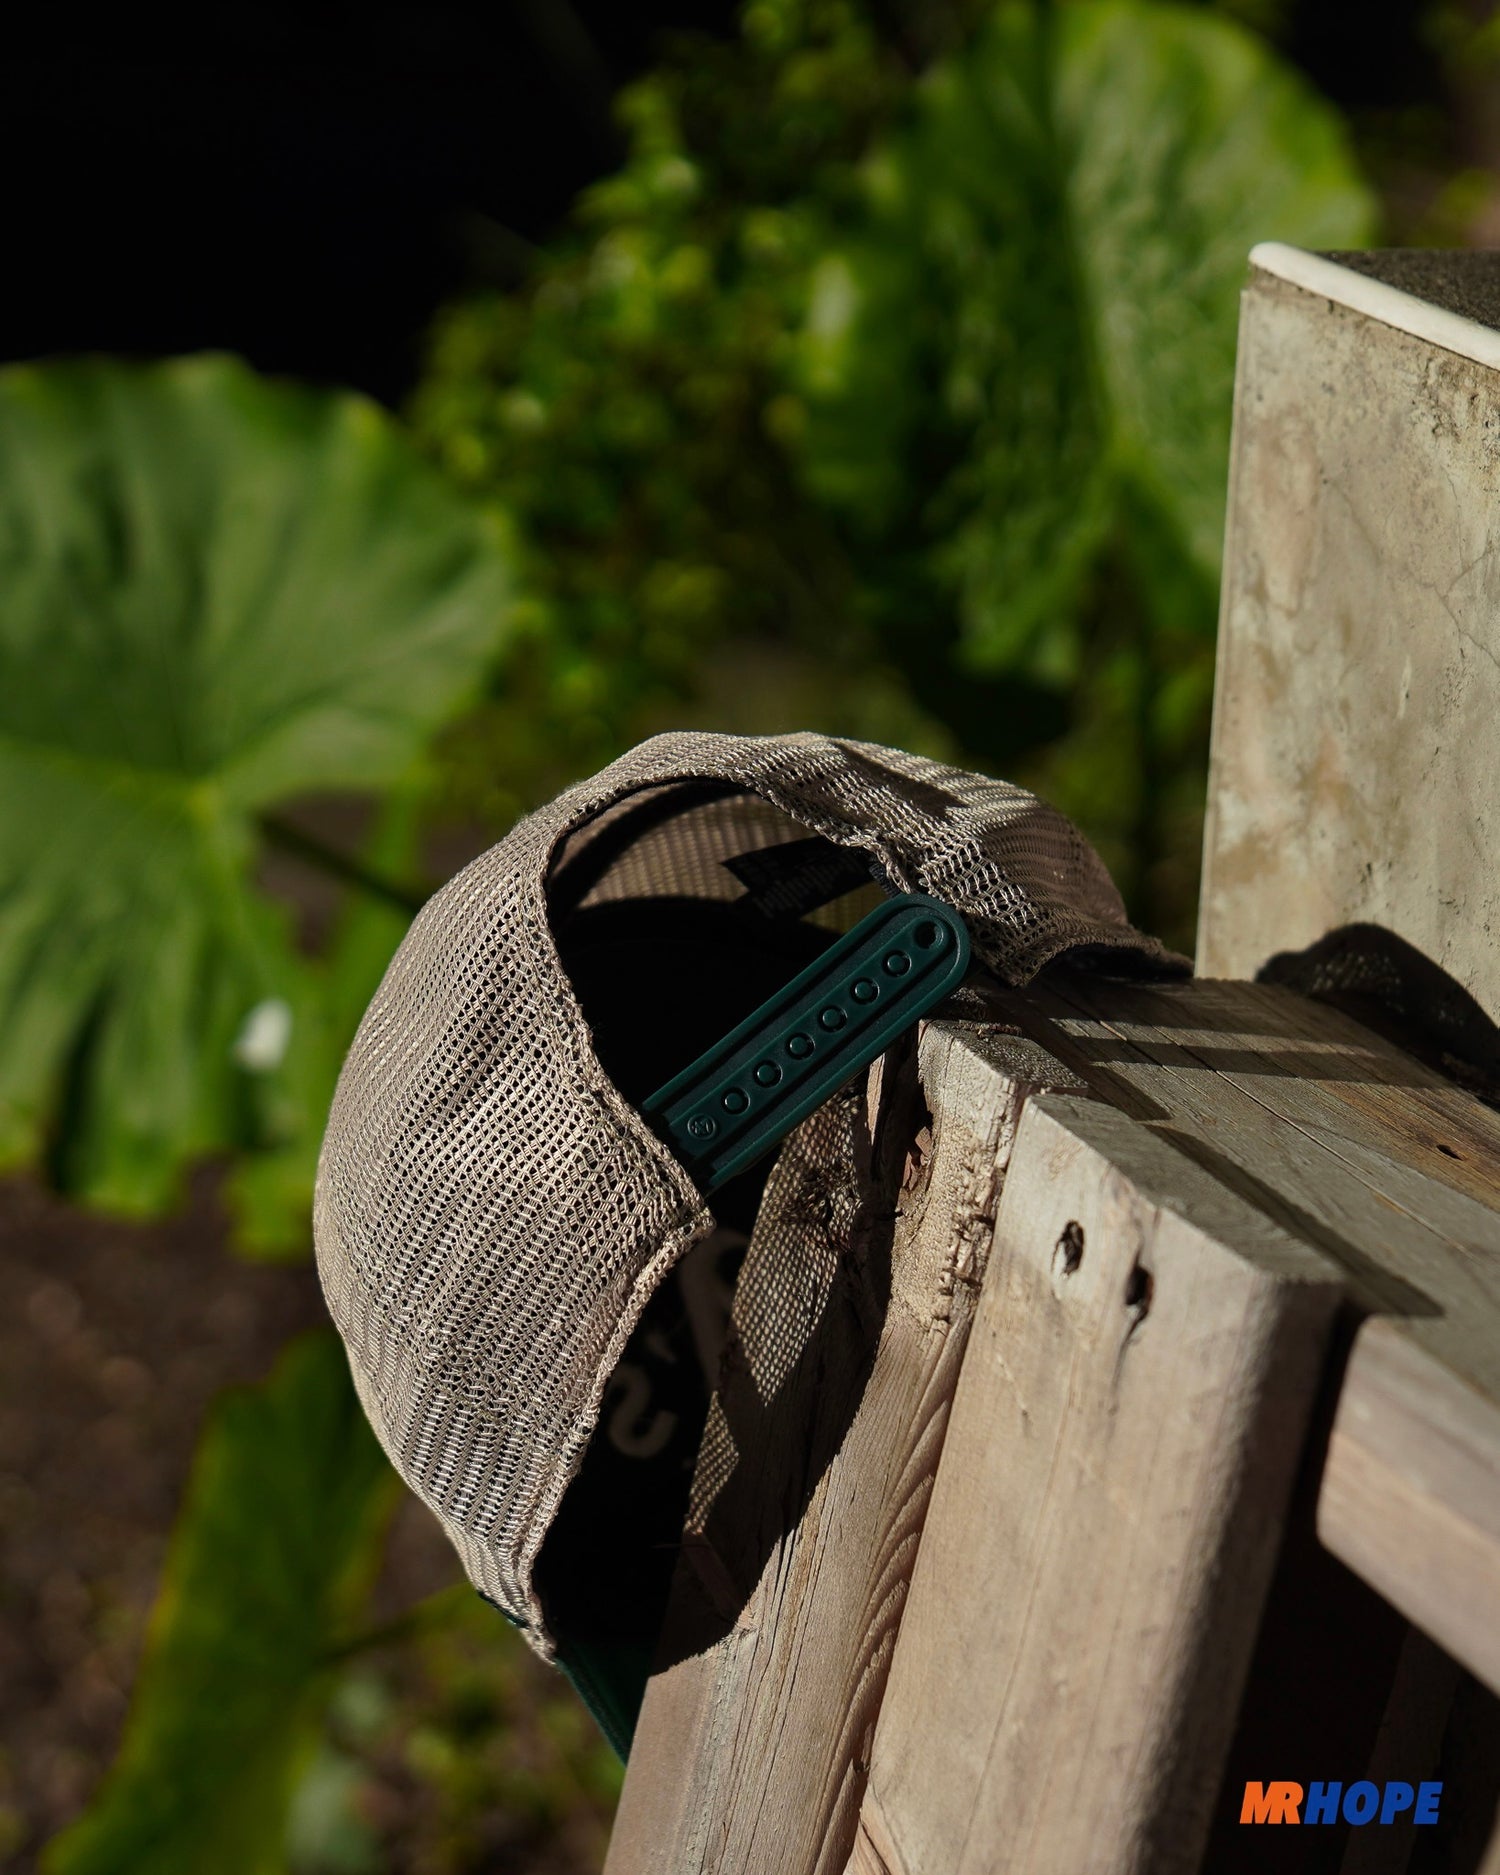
x=1031 y=334
x=215 y=594
x=1188 y=141
x=268 y=1573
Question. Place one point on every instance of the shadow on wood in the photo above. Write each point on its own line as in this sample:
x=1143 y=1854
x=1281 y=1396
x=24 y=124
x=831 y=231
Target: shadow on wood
x=852 y=1313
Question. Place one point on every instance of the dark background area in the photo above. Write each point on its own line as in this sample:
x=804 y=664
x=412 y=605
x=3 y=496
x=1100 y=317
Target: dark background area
x=302 y=186
x=305 y=186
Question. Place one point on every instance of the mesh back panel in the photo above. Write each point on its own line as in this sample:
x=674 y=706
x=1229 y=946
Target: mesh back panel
x=491 y=1214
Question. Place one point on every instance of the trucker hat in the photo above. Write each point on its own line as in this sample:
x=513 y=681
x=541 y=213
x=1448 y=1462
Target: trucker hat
x=507 y=1198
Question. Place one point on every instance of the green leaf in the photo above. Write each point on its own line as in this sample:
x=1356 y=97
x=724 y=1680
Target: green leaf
x=269 y=1566
x=219 y=593
x=1038 y=315
x=267 y=1191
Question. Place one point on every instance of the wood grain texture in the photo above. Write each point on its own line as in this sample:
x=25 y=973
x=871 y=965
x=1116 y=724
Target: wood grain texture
x=851 y=1317
x=874 y=1851
x=1411 y=1493
x=1340 y=1135
x=1394 y=1172
x=1126 y=1468
x=1106 y=1517
x=866 y=1859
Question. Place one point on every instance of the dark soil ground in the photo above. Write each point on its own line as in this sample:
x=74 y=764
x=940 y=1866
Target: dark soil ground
x=448 y=1751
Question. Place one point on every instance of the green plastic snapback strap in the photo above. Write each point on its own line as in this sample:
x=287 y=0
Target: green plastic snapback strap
x=749 y=1090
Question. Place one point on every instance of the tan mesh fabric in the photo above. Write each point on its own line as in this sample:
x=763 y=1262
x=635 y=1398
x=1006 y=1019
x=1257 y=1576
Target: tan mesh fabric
x=685 y=853
x=806 y=1227
x=491 y=1214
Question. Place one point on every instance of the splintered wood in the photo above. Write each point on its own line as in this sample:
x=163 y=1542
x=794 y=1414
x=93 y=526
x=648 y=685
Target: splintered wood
x=851 y=1316
x=1106 y=1517
x=1034 y=1664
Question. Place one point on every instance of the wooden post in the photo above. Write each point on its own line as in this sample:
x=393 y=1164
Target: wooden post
x=1119 y=1454
x=1239 y=1322
x=1270 y=1114
x=1106 y=1518
x=815 y=1472
x=1354 y=784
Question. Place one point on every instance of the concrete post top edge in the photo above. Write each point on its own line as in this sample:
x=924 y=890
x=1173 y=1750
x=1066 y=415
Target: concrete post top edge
x=1377 y=299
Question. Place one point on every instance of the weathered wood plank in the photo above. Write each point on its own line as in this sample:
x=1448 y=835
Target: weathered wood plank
x=1352 y=785
x=1349 y=1141
x=1393 y=1171
x=1313 y=1154
x=815 y=1471
x=1411 y=1493
x=1106 y=1517
x=874 y=1852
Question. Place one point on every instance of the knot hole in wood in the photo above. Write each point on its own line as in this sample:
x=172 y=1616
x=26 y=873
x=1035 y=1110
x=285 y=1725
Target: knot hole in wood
x=1067 y=1253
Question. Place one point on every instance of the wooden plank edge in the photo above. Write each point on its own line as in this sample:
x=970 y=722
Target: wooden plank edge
x=875 y=1851
x=1410 y=1495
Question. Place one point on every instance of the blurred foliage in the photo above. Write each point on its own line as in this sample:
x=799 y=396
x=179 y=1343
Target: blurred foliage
x=1030 y=345
x=621 y=406
x=219 y=594
x=270 y=1564
x=506 y=1760
x=1018 y=377
x=923 y=375
x=869 y=398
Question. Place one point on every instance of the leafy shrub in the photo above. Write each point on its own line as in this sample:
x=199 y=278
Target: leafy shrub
x=925 y=376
